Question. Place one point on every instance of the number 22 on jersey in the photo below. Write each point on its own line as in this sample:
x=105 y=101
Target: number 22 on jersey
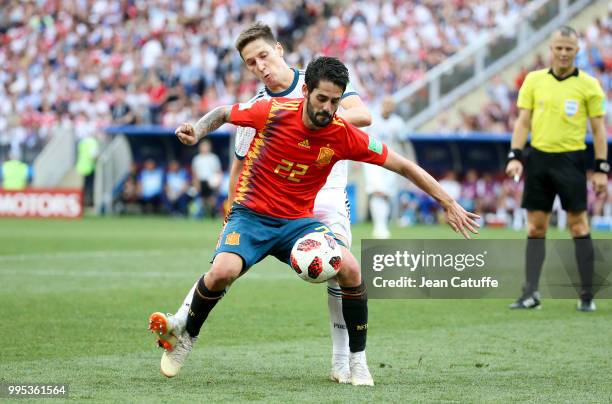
x=286 y=170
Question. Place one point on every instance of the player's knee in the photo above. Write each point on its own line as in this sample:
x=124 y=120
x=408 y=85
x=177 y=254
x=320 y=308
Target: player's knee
x=536 y=230
x=219 y=278
x=579 y=229
x=350 y=273
x=225 y=269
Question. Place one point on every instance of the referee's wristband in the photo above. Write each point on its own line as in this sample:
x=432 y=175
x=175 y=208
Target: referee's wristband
x=515 y=154
x=602 y=166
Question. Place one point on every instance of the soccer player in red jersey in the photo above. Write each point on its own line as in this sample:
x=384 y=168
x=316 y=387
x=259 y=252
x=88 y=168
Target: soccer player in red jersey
x=297 y=143
x=263 y=57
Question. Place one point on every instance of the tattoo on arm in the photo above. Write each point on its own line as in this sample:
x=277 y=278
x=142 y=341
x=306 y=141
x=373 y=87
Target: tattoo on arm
x=212 y=121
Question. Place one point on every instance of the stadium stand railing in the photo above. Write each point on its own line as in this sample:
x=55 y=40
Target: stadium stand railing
x=455 y=77
x=55 y=161
x=111 y=168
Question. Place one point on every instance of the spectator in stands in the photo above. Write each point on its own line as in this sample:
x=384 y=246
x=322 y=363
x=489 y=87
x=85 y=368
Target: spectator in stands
x=469 y=192
x=207 y=176
x=488 y=192
x=177 y=184
x=150 y=187
x=121 y=113
x=129 y=197
x=158 y=95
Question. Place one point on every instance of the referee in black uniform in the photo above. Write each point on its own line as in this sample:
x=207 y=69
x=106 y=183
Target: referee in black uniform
x=555 y=105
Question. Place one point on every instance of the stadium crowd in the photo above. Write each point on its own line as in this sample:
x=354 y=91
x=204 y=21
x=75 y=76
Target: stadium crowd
x=87 y=64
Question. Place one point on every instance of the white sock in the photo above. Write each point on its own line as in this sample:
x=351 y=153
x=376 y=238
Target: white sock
x=380 y=209
x=340 y=340
x=183 y=311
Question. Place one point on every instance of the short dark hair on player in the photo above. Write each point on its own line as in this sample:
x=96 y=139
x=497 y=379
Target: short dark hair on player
x=328 y=69
x=256 y=31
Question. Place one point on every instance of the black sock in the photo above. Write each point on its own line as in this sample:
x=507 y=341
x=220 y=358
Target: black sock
x=355 y=312
x=202 y=303
x=534 y=259
x=585 y=259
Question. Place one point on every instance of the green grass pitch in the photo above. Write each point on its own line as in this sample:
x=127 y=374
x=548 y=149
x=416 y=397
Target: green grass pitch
x=75 y=298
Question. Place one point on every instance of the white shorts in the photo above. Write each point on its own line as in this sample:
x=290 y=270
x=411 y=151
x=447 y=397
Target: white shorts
x=379 y=179
x=332 y=208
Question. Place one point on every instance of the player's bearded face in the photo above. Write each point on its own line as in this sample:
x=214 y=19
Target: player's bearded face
x=319 y=117
x=322 y=103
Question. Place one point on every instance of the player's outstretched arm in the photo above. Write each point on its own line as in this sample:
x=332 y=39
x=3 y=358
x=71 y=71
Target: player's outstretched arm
x=458 y=218
x=355 y=111
x=190 y=135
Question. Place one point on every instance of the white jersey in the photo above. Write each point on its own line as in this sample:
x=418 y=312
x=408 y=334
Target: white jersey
x=338 y=176
x=389 y=131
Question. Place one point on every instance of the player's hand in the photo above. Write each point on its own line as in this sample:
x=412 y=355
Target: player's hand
x=186 y=134
x=461 y=220
x=600 y=183
x=514 y=169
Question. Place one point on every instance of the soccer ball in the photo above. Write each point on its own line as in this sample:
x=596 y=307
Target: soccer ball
x=316 y=257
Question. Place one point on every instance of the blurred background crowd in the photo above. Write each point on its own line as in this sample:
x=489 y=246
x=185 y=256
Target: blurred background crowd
x=84 y=65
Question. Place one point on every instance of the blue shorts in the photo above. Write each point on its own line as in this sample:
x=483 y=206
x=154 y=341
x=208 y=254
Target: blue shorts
x=254 y=236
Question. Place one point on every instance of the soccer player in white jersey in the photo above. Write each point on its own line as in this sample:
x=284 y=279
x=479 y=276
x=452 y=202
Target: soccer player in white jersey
x=381 y=184
x=263 y=56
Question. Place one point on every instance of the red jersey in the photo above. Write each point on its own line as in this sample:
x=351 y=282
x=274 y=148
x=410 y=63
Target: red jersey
x=288 y=163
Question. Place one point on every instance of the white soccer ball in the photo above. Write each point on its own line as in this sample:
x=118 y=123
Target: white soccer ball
x=316 y=257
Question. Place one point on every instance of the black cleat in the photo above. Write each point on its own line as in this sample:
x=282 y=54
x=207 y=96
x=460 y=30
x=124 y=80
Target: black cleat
x=586 y=305
x=530 y=301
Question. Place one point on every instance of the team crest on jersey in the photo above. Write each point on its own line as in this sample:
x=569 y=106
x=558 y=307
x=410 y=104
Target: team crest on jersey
x=232 y=239
x=571 y=107
x=304 y=143
x=325 y=156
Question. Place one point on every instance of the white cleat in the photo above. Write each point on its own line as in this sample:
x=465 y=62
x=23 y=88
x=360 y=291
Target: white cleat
x=172 y=360
x=360 y=374
x=341 y=372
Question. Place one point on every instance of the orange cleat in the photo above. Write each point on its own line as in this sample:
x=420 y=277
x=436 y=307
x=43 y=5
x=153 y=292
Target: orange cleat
x=163 y=325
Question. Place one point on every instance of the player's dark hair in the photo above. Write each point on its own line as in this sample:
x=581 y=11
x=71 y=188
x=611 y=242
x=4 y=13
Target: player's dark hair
x=328 y=69
x=256 y=31
x=566 y=30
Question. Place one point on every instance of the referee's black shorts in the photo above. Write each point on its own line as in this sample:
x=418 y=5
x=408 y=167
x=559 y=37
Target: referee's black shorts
x=550 y=174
